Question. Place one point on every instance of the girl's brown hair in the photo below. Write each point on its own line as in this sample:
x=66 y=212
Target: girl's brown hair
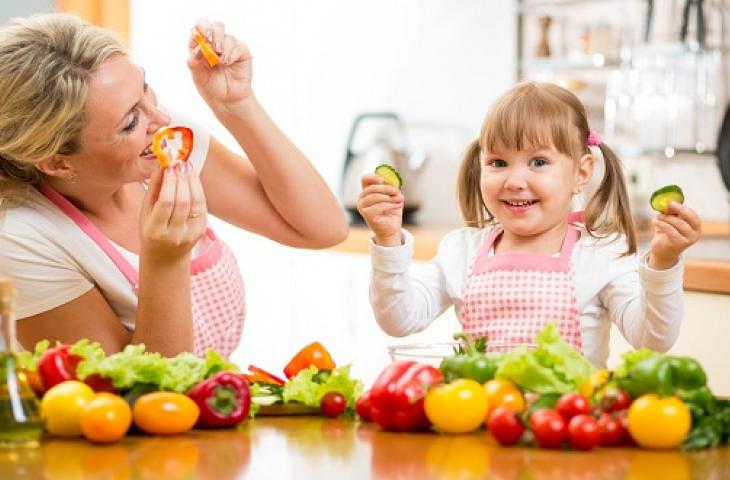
x=545 y=114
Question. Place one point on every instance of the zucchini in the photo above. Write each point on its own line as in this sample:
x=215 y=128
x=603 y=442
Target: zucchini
x=661 y=198
x=389 y=174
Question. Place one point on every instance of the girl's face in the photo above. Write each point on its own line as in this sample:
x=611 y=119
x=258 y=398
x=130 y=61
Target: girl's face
x=121 y=116
x=529 y=192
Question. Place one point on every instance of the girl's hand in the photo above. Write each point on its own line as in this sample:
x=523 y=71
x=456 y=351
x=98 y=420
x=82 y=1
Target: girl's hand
x=674 y=231
x=174 y=213
x=381 y=206
x=229 y=82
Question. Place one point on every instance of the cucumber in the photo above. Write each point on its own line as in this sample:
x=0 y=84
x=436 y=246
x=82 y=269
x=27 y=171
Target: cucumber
x=660 y=199
x=389 y=174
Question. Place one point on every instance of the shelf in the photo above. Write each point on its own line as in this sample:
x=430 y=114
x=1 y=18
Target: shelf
x=594 y=61
x=529 y=5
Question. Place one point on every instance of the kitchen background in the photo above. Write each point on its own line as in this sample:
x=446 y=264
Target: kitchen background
x=438 y=65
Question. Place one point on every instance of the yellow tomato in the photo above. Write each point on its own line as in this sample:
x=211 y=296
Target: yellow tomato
x=595 y=380
x=61 y=407
x=165 y=413
x=457 y=407
x=106 y=418
x=503 y=393
x=656 y=422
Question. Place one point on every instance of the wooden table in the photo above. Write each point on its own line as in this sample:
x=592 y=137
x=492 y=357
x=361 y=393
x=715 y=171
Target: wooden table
x=314 y=447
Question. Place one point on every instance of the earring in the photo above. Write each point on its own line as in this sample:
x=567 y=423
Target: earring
x=72 y=178
x=576 y=190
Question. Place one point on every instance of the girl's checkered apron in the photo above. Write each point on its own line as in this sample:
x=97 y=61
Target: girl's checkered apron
x=216 y=286
x=509 y=297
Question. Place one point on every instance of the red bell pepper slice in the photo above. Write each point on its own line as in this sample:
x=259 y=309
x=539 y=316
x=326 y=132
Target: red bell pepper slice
x=223 y=399
x=161 y=142
x=205 y=48
x=396 y=398
x=262 y=376
x=58 y=364
x=313 y=354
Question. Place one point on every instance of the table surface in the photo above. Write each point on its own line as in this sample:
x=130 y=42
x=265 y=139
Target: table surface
x=315 y=447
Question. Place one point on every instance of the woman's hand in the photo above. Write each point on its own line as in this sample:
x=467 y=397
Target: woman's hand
x=174 y=213
x=228 y=83
x=381 y=206
x=674 y=231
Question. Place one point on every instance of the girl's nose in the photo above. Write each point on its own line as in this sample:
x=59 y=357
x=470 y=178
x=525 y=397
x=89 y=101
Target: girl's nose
x=515 y=180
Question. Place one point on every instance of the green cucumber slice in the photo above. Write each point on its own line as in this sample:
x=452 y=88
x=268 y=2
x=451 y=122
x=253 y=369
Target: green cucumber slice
x=389 y=174
x=661 y=198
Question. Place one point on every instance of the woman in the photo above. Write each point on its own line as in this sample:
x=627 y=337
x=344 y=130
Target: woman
x=103 y=243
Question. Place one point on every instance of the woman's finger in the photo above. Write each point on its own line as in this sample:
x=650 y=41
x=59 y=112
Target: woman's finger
x=165 y=202
x=198 y=205
x=153 y=189
x=181 y=210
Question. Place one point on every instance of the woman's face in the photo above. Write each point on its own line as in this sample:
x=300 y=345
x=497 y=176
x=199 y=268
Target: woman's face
x=121 y=116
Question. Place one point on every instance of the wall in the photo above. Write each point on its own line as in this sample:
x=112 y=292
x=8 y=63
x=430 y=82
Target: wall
x=10 y=9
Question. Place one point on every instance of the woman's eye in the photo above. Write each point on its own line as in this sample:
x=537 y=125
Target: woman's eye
x=539 y=162
x=132 y=124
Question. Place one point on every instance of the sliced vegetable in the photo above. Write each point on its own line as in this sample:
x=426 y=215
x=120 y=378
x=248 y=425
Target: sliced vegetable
x=205 y=48
x=161 y=145
x=223 y=399
x=259 y=375
x=312 y=355
x=661 y=198
x=389 y=174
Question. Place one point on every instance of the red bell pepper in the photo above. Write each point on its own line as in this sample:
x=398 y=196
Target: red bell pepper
x=223 y=399
x=397 y=396
x=58 y=364
x=162 y=137
x=313 y=354
x=259 y=375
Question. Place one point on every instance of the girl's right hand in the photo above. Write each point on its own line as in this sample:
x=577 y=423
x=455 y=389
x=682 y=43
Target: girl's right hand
x=174 y=213
x=381 y=206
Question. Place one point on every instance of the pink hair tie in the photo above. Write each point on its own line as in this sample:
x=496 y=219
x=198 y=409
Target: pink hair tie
x=593 y=139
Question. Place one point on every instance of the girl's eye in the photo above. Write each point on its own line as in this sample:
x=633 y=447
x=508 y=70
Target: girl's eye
x=496 y=162
x=539 y=162
x=132 y=124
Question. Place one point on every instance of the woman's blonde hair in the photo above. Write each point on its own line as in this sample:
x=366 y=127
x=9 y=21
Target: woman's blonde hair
x=532 y=114
x=46 y=62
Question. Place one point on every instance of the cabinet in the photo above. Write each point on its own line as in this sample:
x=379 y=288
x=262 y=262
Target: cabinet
x=647 y=86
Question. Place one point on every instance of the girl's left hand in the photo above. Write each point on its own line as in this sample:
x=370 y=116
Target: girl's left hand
x=229 y=82
x=674 y=231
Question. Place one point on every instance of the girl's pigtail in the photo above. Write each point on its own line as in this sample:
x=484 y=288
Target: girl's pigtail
x=609 y=210
x=468 y=189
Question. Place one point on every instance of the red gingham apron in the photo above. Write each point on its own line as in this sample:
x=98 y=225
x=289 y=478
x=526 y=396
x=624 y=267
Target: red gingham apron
x=509 y=297
x=216 y=286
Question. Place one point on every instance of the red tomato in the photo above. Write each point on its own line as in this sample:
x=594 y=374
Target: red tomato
x=505 y=426
x=333 y=404
x=614 y=399
x=611 y=430
x=572 y=404
x=623 y=417
x=548 y=427
x=583 y=432
x=363 y=406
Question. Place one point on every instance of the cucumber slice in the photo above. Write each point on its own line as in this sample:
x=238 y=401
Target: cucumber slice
x=660 y=199
x=389 y=174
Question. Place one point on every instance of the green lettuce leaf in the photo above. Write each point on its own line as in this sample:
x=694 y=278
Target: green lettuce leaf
x=29 y=360
x=631 y=358
x=309 y=386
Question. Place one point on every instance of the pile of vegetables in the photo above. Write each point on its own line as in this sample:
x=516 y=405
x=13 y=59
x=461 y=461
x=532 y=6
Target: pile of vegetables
x=551 y=397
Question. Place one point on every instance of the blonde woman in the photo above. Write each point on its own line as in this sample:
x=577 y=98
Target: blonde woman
x=103 y=243
x=525 y=258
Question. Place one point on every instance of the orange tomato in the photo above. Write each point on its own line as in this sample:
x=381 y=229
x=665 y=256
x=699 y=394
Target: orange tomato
x=503 y=393
x=106 y=418
x=165 y=413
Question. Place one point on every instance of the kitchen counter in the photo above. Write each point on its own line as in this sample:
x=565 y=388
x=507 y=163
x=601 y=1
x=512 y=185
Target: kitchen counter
x=707 y=265
x=315 y=447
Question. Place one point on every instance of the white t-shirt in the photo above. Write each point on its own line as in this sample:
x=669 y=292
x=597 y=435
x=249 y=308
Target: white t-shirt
x=645 y=304
x=52 y=261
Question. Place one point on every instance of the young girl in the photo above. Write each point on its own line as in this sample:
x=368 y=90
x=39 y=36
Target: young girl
x=525 y=258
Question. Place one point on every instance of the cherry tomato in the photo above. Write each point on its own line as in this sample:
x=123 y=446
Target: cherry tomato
x=583 y=432
x=503 y=393
x=106 y=418
x=333 y=404
x=656 y=422
x=548 y=427
x=614 y=399
x=362 y=407
x=611 y=430
x=61 y=407
x=505 y=426
x=571 y=404
x=457 y=407
x=165 y=413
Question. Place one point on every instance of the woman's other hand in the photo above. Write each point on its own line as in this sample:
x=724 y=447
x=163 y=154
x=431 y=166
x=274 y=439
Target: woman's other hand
x=174 y=214
x=381 y=206
x=229 y=82
x=675 y=230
